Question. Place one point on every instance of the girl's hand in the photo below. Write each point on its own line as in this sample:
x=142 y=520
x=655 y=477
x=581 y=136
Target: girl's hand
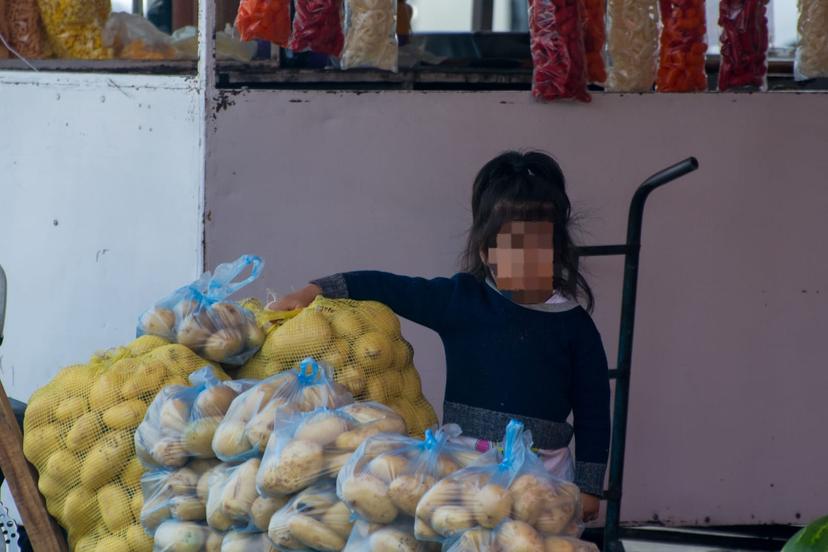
x=591 y=505
x=296 y=300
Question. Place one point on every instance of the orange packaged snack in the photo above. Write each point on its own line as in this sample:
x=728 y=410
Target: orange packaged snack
x=683 y=47
x=264 y=20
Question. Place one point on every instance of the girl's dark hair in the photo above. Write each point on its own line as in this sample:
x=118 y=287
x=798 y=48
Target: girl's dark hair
x=526 y=187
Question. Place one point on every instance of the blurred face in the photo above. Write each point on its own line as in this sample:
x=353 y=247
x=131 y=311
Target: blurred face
x=522 y=261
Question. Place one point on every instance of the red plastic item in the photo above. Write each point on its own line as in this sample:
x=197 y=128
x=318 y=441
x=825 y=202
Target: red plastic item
x=317 y=27
x=744 y=43
x=683 y=47
x=264 y=20
x=595 y=37
x=557 y=41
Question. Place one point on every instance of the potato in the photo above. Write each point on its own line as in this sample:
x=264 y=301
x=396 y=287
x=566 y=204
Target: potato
x=389 y=539
x=214 y=540
x=279 y=533
x=138 y=540
x=174 y=415
x=126 y=415
x=299 y=464
x=215 y=401
x=237 y=541
x=446 y=466
x=39 y=443
x=260 y=427
x=180 y=536
x=322 y=428
x=406 y=491
x=111 y=542
x=71 y=408
x=254 y=336
x=185 y=308
x=198 y=436
x=491 y=504
x=80 y=510
x=263 y=509
x=209 y=478
x=63 y=467
x=445 y=492
x=169 y=452
x=113 y=503
x=348 y=324
x=192 y=333
x=387 y=467
x=350 y=440
x=223 y=344
x=187 y=508
x=423 y=531
x=200 y=466
x=374 y=351
x=50 y=487
x=131 y=476
x=228 y=315
x=553 y=519
x=352 y=378
x=136 y=504
x=517 y=536
x=229 y=440
x=155 y=511
x=334 y=462
x=217 y=519
x=239 y=491
x=450 y=520
x=158 y=321
x=106 y=459
x=315 y=534
x=368 y=496
x=338 y=519
x=145 y=380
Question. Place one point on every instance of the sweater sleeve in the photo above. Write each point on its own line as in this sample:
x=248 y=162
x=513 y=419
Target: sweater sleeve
x=591 y=409
x=420 y=300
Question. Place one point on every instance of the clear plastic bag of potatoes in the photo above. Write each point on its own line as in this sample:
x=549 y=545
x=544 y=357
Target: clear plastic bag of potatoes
x=396 y=537
x=516 y=496
x=181 y=420
x=313 y=446
x=246 y=428
x=388 y=474
x=509 y=536
x=313 y=520
x=172 y=495
x=199 y=315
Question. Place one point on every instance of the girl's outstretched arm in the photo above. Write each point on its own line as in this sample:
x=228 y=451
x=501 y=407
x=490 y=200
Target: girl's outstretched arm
x=421 y=300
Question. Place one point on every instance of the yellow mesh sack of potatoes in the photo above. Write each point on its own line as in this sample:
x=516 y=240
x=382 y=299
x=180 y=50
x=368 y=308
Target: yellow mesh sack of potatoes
x=79 y=434
x=75 y=27
x=361 y=341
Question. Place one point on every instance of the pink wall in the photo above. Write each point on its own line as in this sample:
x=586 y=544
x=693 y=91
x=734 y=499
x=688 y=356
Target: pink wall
x=727 y=422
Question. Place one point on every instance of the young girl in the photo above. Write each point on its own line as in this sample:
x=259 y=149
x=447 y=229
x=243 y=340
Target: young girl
x=517 y=343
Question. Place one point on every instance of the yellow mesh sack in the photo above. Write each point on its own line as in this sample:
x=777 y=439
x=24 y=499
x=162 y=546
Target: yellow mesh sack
x=75 y=27
x=360 y=340
x=78 y=433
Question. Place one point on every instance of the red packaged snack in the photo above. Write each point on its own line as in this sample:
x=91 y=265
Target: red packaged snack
x=264 y=20
x=683 y=47
x=557 y=42
x=317 y=27
x=595 y=37
x=744 y=44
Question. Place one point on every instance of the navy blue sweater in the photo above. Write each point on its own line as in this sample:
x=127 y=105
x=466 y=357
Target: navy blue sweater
x=504 y=360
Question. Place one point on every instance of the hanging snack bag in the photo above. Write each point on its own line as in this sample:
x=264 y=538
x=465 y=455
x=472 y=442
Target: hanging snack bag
x=396 y=537
x=595 y=38
x=267 y=20
x=389 y=474
x=516 y=498
x=181 y=421
x=811 y=60
x=200 y=316
x=744 y=44
x=370 y=35
x=683 y=47
x=313 y=520
x=317 y=27
x=557 y=44
x=633 y=45
x=313 y=446
x=245 y=430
